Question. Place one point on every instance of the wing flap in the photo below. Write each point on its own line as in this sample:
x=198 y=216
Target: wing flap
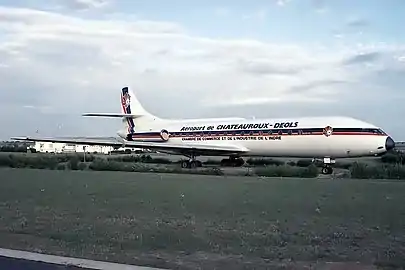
x=202 y=149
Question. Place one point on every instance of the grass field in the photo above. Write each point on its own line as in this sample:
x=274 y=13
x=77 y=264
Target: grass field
x=191 y=221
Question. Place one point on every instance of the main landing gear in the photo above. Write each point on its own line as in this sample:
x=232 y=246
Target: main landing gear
x=193 y=163
x=232 y=162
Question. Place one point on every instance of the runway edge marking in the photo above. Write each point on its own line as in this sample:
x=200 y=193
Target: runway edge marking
x=84 y=263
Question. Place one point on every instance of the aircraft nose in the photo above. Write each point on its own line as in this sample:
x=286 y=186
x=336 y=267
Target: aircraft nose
x=389 y=144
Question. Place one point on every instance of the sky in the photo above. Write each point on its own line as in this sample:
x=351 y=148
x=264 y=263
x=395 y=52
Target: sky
x=199 y=58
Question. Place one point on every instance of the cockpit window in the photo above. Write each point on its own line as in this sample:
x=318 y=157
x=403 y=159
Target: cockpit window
x=381 y=132
x=377 y=131
x=374 y=130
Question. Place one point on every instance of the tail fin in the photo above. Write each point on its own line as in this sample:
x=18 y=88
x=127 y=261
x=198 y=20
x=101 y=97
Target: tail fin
x=131 y=109
x=126 y=109
x=130 y=105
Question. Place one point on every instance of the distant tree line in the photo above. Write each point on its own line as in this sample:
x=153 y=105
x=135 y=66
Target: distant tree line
x=13 y=147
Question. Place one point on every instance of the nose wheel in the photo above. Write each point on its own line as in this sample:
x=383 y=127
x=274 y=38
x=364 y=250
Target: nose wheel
x=327 y=165
x=327 y=169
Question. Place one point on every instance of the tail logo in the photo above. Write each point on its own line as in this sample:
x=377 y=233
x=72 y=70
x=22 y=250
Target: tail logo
x=126 y=107
x=126 y=101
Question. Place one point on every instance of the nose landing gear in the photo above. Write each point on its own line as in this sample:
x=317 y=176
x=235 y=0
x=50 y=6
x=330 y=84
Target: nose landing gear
x=327 y=167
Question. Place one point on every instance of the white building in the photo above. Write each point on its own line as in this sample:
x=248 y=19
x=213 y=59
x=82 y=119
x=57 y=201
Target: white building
x=48 y=147
x=45 y=147
x=96 y=149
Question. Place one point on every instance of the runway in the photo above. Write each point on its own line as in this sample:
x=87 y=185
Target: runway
x=22 y=260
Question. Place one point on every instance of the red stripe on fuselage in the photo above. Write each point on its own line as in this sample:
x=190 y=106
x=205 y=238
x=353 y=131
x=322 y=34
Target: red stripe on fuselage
x=182 y=135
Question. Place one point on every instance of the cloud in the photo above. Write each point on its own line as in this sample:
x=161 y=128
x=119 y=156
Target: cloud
x=61 y=65
x=319 y=6
x=268 y=67
x=222 y=12
x=282 y=2
x=268 y=100
x=357 y=22
x=315 y=85
x=86 y=4
x=362 y=58
x=259 y=15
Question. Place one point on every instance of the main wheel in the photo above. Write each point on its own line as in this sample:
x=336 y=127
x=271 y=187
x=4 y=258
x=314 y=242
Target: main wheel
x=232 y=162
x=239 y=162
x=185 y=164
x=225 y=162
x=193 y=164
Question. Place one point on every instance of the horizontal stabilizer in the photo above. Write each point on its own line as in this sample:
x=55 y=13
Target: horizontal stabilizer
x=113 y=115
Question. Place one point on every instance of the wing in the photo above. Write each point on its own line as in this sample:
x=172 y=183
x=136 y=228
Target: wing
x=205 y=150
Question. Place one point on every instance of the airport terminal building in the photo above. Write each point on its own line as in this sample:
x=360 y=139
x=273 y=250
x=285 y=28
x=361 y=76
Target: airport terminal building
x=48 y=147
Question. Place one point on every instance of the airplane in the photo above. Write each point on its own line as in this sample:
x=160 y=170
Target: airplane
x=324 y=138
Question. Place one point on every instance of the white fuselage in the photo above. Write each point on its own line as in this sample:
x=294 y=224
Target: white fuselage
x=301 y=137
